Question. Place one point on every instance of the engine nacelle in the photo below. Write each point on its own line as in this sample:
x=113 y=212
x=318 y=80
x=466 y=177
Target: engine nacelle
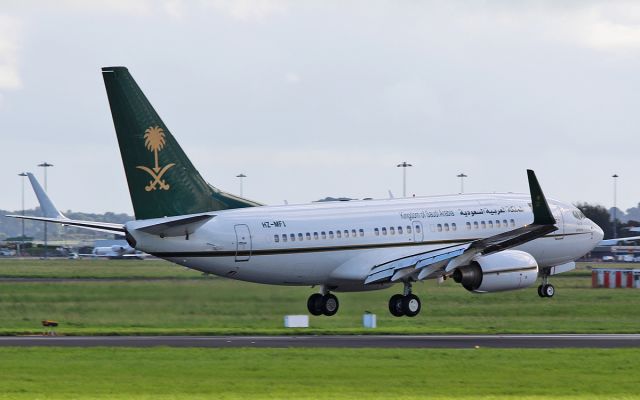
x=506 y=270
x=117 y=249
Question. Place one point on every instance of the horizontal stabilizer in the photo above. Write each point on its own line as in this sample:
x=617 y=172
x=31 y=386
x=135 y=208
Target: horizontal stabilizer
x=176 y=227
x=92 y=225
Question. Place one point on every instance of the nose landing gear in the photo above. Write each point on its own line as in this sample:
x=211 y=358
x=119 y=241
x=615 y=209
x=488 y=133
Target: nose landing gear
x=405 y=304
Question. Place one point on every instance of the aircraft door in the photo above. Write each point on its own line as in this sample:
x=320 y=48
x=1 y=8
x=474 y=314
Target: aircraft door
x=243 y=243
x=418 y=234
x=557 y=214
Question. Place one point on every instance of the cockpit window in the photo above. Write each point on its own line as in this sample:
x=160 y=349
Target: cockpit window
x=578 y=214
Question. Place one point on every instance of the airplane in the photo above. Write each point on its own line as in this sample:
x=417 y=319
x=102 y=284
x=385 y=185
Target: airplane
x=485 y=242
x=116 y=251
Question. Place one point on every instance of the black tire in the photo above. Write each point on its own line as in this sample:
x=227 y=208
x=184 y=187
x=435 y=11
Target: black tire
x=314 y=304
x=411 y=305
x=549 y=290
x=395 y=305
x=330 y=304
x=540 y=292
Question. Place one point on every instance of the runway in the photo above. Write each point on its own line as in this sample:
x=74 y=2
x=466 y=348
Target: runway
x=347 y=341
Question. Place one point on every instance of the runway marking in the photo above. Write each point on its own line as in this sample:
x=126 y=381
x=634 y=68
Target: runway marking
x=346 y=341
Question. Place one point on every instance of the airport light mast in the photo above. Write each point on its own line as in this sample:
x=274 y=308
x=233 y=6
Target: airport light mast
x=22 y=174
x=241 y=176
x=45 y=165
x=461 y=176
x=404 y=166
x=615 y=206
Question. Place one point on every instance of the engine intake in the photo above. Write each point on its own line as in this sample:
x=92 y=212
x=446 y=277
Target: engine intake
x=506 y=270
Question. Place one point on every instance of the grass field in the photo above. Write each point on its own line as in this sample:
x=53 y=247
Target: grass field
x=186 y=302
x=164 y=373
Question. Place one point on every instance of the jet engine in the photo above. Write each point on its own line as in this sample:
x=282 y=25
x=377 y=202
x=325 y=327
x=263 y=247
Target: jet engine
x=506 y=270
x=118 y=249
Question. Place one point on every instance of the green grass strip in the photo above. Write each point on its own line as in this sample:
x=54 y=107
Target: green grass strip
x=169 y=373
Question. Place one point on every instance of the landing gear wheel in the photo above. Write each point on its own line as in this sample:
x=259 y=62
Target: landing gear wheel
x=330 y=304
x=540 y=292
x=314 y=304
x=395 y=305
x=411 y=305
x=548 y=290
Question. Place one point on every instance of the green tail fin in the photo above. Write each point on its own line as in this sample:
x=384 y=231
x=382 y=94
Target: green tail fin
x=162 y=181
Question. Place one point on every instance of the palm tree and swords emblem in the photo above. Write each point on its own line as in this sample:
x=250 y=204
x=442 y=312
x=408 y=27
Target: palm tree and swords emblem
x=154 y=140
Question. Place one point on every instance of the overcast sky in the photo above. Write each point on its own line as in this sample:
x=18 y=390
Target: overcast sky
x=313 y=99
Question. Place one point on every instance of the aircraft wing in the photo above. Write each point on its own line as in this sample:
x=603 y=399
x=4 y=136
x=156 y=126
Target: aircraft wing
x=440 y=262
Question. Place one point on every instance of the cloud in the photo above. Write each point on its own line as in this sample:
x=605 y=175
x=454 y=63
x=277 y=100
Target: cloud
x=10 y=34
x=175 y=9
x=611 y=28
x=125 y=7
x=292 y=78
x=248 y=10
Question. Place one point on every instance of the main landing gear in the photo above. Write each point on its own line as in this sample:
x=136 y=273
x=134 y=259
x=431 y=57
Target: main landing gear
x=405 y=304
x=323 y=303
x=546 y=289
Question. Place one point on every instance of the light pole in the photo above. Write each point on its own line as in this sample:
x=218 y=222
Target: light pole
x=615 y=206
x=22 y=174
x=45 y=165
x=404 y=166
x=461 y=176
x=241 y=176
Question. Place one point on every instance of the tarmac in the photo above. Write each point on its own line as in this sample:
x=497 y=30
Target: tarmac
x=342 y=341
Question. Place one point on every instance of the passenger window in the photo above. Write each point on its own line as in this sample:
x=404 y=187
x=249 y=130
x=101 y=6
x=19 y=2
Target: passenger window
x=276 y=238
x=330 y=234
x=453 y=226
x=338 y=234
x=439 y=227
x=446 y=227
x=409 y=229
x=284 y=238
x=505 y=223
x=353 y=233
x=315 y=235
x=513 y=223
x=346 y=233
x=490 y=224
x=392 y=231
x=497 y=223
x=308 y=236
x=324 y=235
x=361 y=232
x=293 y=237
x=377 y=231
x=475 y=224
x=384 y=231
x=399 y=230
x=299 y=236
x=468 y=225
x=483 y=225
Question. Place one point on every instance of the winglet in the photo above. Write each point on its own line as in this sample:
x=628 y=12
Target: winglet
x=541 y=212
x=49 y=210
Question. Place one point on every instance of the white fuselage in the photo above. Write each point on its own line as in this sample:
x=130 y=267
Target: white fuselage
x=338 y=243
